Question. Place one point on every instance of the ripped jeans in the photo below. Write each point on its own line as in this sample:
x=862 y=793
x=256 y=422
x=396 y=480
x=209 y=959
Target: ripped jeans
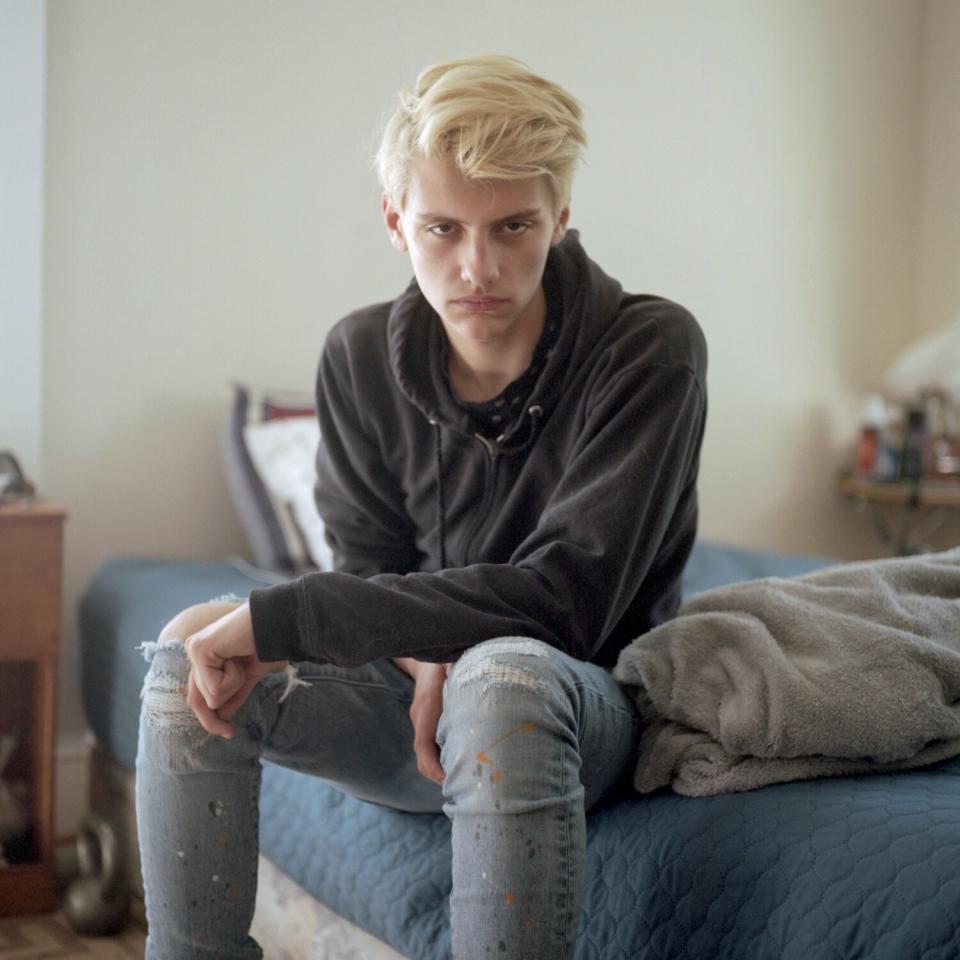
x=530 y=740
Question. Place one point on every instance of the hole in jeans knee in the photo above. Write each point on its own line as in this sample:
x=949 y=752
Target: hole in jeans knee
x=165 y=703
x=493 y=672
x=164 y=692
x=508 y=662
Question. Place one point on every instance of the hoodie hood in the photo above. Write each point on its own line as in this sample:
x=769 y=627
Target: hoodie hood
x=589 y=302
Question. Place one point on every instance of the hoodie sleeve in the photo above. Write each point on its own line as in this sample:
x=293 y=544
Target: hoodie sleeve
x=630 y=474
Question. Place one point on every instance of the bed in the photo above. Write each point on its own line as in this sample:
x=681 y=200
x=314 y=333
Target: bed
x=843 y=867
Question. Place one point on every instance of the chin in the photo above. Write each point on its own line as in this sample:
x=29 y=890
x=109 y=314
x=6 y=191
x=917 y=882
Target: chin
x=479 y=328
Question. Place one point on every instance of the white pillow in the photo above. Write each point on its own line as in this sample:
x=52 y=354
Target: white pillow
x=284 y=454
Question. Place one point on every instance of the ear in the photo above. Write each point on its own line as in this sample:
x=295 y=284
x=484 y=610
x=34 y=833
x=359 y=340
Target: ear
x=560 y=228
x=394 y=222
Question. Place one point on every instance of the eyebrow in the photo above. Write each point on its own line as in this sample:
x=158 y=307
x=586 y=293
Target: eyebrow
x=442 y=218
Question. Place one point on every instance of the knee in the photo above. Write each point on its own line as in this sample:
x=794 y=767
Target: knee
x=518 y=677
x=508 y=720
x=164 y=693
x=195 y=618
x=517 y=663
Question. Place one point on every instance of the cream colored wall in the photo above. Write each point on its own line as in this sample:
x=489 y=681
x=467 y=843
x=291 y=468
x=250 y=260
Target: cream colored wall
x=938 y=294
x=765 y=172
x=210 y=213
x=22 y=45
x=939 y=290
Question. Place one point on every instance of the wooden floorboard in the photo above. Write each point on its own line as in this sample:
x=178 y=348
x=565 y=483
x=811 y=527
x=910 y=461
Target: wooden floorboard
x=49 y=937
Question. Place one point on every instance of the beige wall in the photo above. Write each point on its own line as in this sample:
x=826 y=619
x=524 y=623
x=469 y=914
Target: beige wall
x=938 y=293
x=939 y=288
x=210 y=213
x=22 y=46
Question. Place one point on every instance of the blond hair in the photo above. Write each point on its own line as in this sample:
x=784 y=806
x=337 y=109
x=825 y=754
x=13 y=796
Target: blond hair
x=494 y=117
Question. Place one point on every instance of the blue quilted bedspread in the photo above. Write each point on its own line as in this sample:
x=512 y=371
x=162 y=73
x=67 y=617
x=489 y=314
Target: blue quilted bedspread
x=852 y=867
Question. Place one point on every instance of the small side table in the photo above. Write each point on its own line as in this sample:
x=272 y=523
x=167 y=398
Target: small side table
x=31 y=537
x=924 y=508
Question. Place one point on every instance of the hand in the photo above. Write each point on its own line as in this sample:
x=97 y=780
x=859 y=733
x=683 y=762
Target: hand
x=425 y=715
x=224 y=669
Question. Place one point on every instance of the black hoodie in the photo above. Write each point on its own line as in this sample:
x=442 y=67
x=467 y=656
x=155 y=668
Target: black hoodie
x=573 y=526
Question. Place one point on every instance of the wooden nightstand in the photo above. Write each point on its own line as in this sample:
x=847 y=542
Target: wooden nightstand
x=31 y=536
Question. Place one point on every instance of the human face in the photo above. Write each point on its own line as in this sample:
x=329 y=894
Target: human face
x=478 y=250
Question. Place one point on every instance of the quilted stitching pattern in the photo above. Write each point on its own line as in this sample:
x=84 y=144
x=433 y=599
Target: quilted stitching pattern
x=843 y=868
x=826 y=870
x=387 y=872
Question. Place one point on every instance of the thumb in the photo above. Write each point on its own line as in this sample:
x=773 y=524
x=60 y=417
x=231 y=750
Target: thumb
x=428 y=760
x=221 y=682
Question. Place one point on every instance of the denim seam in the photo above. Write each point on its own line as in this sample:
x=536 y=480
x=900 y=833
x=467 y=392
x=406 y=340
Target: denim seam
x=565 y=879
x=585 y=687
x=252 y=867
x=344 y=681
x=383 y=688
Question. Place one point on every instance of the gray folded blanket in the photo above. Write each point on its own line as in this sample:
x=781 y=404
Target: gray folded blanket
x=852 y=669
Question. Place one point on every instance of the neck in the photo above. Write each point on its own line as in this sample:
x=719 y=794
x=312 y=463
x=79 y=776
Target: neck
x=480 y=371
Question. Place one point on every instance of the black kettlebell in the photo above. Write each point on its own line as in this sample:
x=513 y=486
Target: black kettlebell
x=97 y=903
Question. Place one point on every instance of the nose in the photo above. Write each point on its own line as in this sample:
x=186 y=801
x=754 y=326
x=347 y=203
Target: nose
x=478 y=265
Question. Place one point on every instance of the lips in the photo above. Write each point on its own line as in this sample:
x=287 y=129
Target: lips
x=480 y=304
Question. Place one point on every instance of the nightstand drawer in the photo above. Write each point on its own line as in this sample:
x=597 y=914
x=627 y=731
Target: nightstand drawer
x=30 y=605
x=30 y=585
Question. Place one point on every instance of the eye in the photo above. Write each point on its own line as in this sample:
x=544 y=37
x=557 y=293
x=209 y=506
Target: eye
x=441 y=229
x=516 y=227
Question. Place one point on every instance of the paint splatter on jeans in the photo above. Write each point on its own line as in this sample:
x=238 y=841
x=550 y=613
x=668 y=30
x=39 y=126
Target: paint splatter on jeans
x=530 y=739
x=546 y=738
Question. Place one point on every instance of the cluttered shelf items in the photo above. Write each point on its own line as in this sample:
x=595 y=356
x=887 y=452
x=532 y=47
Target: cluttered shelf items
x=917 y=440
x=910 y=433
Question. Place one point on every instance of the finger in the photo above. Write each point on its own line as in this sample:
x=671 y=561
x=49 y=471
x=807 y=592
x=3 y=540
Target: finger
x=197 y=667
x=223 y=682
x=237 y=700
x=202 y=677
x=217 y=679
x=208 y=719
x=428 y=761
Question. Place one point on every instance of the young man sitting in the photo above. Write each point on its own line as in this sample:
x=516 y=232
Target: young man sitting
x=507 y=474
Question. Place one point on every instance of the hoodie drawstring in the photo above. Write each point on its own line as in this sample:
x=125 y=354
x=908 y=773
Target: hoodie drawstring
x=535 y=413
